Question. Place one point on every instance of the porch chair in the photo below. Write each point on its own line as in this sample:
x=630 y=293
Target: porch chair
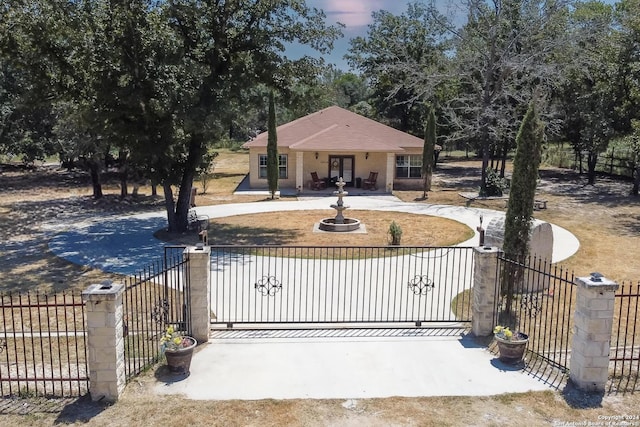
x=370 y=183
x=316 y=183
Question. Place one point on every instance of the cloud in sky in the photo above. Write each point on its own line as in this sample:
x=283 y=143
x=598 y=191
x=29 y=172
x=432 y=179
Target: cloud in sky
x=352 y=13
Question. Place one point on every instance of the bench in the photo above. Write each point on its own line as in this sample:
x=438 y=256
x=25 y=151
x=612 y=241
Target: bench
x=197 y=222
x=472 y=197
x=539 y=205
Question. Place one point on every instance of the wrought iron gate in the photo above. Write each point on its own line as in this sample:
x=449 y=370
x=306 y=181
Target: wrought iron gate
x=154 y=298
x=542 y=308
x=279 y=285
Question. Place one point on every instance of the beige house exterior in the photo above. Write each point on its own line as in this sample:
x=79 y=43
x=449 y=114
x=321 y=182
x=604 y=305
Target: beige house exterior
x=335 y=143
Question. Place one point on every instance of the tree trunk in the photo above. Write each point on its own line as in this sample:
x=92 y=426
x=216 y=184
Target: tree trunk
x=169 y=204
x=487 y=89
x=592 y=159
x=485 y=165
x=503 y=160
x=124 y=173
x=177 y=215
x=94 y=171
x=636 y=181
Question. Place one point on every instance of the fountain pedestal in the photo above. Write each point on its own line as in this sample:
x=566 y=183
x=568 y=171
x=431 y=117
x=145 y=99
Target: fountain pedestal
x=339 y=222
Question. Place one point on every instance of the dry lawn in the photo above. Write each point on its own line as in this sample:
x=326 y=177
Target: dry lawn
x=267 y=229
x=604 y=217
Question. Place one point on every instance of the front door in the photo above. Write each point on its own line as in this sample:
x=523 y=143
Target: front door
x=341 y=166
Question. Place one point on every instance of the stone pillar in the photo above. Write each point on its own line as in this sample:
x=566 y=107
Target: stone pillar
x=595 y=297
x=300 y=171
x=391 y=171
x=105 y=343
x=485 y=293
x=199 y=298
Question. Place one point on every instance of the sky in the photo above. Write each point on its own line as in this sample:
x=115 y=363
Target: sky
x=356 y=15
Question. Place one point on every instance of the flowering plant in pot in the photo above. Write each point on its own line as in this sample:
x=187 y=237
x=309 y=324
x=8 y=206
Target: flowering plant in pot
x=511 y=345
x=178 y=350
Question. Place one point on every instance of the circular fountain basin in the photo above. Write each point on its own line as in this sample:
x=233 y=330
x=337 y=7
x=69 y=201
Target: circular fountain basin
x=329 y=224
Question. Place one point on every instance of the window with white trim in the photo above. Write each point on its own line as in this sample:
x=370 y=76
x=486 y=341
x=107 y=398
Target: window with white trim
x=409 y=166
x=282 y=166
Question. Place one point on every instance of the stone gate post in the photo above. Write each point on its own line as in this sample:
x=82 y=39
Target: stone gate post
x=595 y=299
x=199 y=298
x=105 y=342
x=485 y=292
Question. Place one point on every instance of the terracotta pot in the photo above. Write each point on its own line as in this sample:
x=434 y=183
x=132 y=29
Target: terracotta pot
x=512 y=351
x=179 y=361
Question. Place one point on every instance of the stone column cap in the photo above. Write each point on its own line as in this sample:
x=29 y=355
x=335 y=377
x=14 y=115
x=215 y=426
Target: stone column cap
x=198 y=249
x=596 y=282
x=103 y=291
x=486 y=249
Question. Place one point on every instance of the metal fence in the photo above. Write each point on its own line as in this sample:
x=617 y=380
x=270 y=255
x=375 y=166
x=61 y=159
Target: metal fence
x=154 y=298
x=542 y=308
x=42 y=345
x=618 y=162
x=280 y=285
x=625 y=339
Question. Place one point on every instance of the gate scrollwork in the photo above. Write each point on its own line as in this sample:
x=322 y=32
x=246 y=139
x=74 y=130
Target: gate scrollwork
x=421 y=285
x=268 y=285
x=531 y=303
x=160 y=311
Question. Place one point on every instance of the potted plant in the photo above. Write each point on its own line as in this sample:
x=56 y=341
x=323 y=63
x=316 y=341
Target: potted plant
x=395 y=234
x=178 y=350
x=511 y=345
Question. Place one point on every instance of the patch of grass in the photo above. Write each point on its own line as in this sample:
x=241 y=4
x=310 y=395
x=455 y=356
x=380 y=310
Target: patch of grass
x=461 y=304
x=297 y=229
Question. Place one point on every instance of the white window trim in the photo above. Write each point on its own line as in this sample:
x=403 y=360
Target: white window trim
x=282 y=164
x=409 y=166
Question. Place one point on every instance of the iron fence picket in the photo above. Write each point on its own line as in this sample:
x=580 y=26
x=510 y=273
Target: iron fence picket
x=154 y=298
x=44 y=345
x=282 y=285
x=543 y=307
x=625 y=340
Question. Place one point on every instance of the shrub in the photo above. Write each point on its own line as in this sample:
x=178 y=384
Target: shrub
x=495 y=185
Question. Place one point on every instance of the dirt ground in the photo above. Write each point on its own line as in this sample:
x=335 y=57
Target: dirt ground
x=34 y=204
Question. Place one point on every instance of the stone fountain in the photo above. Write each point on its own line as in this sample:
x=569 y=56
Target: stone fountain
x=339 y=223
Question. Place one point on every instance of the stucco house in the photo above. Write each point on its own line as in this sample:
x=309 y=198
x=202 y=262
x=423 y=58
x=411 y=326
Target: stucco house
x=334 y=143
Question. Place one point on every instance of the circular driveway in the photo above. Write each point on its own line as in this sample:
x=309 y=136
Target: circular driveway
x=125 y=244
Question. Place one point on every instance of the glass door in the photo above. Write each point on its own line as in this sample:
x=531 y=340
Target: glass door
x=341 y=166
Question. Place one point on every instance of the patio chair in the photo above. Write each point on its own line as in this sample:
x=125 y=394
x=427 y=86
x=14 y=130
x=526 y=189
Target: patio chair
x=371 y=182
x=317 y=183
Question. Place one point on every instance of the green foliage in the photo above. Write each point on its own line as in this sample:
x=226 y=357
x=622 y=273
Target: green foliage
x=589 y=89
x=228 y=143
x=396 y=49
x=158 y=80
x=523 y=185
x=494 y=186
x=557 y=155
x=521 y=199
x=272 y=150
x=395 y=233
x=205 y=170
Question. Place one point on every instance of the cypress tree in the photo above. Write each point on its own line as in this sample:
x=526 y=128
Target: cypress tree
x=273 y=167
x=428 y=151
x=521 y=199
